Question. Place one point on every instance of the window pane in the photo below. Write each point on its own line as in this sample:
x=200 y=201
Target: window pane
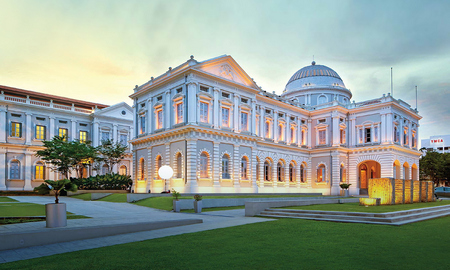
x=40 y=132
x=16 y=129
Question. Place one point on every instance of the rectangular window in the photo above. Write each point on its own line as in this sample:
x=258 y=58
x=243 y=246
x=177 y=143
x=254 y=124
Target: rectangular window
x=83 y=136
x=62 y=132
x=16 y=130
x=159 y=119
x=367 y=134
x=204 y=112
x=292 y=134
x=361 y=136
x=322 y=137
x=257 y=126
x=405 y=137
x=303 y=137
x=123 y=139
x=14 y=172
x=280 y=132
x=142 y=122
x=225 y=117
x=39 y=174
x=179 y=116
x=105 y=136
x=342 y=136
x=40 y=132
x=244 y=121
x=413 y=142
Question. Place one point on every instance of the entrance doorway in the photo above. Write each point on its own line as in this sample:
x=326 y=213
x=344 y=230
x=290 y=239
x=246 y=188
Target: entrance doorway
x=367 y=170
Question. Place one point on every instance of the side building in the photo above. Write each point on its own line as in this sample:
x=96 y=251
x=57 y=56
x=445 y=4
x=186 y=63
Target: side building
x=437 y=143
x=27 y=118
x=221 y=133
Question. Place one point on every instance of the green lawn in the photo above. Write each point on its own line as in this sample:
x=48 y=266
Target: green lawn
x=7 y=199
x=22 y=210
x=84 y=196
x=280 y=244
x=214 y=209
x=355 y=207
x=23 y=220
x=116 y=197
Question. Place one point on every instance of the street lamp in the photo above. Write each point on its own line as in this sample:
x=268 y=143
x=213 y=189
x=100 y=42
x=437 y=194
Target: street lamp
x=165 y=172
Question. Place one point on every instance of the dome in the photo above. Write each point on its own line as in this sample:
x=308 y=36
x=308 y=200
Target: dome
x=314 y=75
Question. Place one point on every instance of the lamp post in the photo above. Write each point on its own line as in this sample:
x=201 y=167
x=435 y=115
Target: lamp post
x=165 y=172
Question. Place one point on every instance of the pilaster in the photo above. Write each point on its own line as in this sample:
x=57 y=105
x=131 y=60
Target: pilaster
x=236 y=168
x=192 y=102
x=3 y=126
x=253 y=115
x=191 y=165
x=262 y=125
x=167 y=111
x=236 y=125
x=74 y=129
x=309 y=133
x=335 y=132
x=3 y=172
x=216 y=166
x=275 y=126
x=51 y=127
x=95 y=133
x=167 y=162
x=28 y=171
x=148 y=170
x=28 y=129
x=335 y=167
x=115 y=133
x=216 y=108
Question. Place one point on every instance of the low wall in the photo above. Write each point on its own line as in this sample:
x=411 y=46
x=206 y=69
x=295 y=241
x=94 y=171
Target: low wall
x=396 y=191
x=253 y=208
x=82 y=191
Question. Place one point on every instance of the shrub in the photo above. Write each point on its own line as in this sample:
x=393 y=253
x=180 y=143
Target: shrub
x=345 y=186
x=198 y=197
x=111 y=181
x=175 y=194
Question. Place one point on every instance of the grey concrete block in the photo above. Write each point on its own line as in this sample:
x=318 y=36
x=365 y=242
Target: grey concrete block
x=97 y=196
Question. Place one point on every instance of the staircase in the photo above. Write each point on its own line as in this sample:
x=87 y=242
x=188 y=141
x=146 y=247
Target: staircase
x=390 y=218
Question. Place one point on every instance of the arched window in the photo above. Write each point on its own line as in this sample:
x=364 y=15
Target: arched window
x=257 y=169
x=291 y=173
x=14 y=170
x=267 y=169
x=39 y=172
x=203 y=165
x=322 y=99
x=302 y=173
x=179 y=173
x=158 y=165
x=85 y=172
x=342 y=174
x=141 y=169
x=280 y=172
x=244 y=168
x=321 y=176
x=123 y=170
x=225 y=167
x=105 y=169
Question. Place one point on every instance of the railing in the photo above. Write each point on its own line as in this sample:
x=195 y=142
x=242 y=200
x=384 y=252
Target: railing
x=16 y=99
x=62 y=107
x=83 y=110
x=40 y=103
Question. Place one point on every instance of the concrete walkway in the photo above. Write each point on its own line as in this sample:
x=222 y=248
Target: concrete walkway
x=103 y=213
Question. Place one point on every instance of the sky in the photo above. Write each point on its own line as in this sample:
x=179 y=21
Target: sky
x=99 y=50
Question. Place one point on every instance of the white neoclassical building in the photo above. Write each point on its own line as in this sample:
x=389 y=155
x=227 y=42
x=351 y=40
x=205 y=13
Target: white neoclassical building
x=27 y=118
x=223 y=134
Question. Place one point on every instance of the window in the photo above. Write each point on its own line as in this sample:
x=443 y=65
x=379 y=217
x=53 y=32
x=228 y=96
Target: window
x=291 y=173
x=123 y=139
x=396 y=134
x=225 y=167
x=123 y=170
x=267 y=129
x=367 y=135
x=63 y=133
x=302 y=173
x=342 y=136
x=14 y=171
x=292 y=134
x=267 y=169
x=179 y=113
x=39 y=171
x=204 y=112
x=257 y=169
x=16 y=130
x=280 y=132
x=244 y=121
x=257 y=126
x=83 y=136
x=105 y=136
x=405 y=136
x=225 y=117
x=158 y=165
x=303 y=137
x=280 y=172
x=142 y=169
x=203 y=165
x=321 y=173
x=204 y=89
x=375 y=135
x=342 y=174
x=413 y=139
x=105 y=169
x=322 y=137
x=142 y=124
x=179 y=173
x=40 y=132
x=361 y=137
x=159 y=119
x=244 y=167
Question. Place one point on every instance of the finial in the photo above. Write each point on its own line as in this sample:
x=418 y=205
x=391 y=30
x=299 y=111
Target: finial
x=170 y=68
x=192 y=57
x=136 y=86
x=151 y=78
x=313 y=63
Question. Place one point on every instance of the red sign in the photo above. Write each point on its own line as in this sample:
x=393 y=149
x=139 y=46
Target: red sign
x=437 y=140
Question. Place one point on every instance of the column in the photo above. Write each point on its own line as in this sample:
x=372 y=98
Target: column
x=95 y=133
x=28 y=128
x=410 y=134
x=3 y=172
x=167 y=111
x=216 y=108
x=400 y=127
x=352 y=131
x=383 y=128
x=216 y=166
x=236 y=125
x=191 y=166
x=389 y=128
x=191 y=110
x=52 y=127
x=253 y=116
x=297 y=175
x=309 y=169
x=236 y=168
x=253 y=169
x=309 y=133
x=74 y=129
x=274 y=174
x=28 y=168
x=261 y=173
x=335 y=132
x=167 y=182
x=3 y=126
x=115 y=133
x=335 y=167
x=287 y=129
x=299 y=131
x=262 y=125
x=130 y=136
x=275 y=126
x=150 y=116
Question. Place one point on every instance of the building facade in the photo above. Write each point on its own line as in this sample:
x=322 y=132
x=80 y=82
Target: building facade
x=437 y=143
x=221 y=133
x=27 y=118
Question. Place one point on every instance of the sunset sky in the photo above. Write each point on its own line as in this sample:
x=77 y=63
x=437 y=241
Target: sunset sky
x=98 y=50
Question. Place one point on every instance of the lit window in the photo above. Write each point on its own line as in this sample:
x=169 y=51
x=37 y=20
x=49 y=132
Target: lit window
x=39 y=171
x=342 y=136
x=40 y=132
x=179 y=173
x=83 y=136
x=302 y=174
x=159 y=119
x=244 y=167
x=158 y=165
x=293 y=135
x=14 y=170
x=342 y=174
x=267 y=170
x=16 y=129
x=405 y=136
x=321 y=173
x=396 y=134
x=413 y=139
x=322 y=137
x=267 y=129
x=142 y=122
x=225 y=117
x=303 y=137
x=244 y=121
x=179 y=111
x=203 y=165
x=367 y=134
x=123 y=139
x=280 y=132
x=142 y=169
x=63 y=133
x=123 y=170
x=204 y=112
x=105 y=136
x=257 y=126
x=225 y=168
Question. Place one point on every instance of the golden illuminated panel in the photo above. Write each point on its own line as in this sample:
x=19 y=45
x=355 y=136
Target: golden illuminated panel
x=408 y=191
x=381 y=188
x=430 y=191
x=416 y=191
x=398 y=191
x=369 y=201
x=423 y=191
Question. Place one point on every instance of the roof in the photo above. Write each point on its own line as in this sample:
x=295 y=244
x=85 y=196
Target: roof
x=314 y=70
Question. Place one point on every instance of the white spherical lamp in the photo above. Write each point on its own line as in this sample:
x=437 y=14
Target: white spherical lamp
x=165 y=172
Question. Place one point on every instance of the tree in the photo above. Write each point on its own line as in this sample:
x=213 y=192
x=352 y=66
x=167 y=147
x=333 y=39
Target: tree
x=57 y=186
x=432 y=166
x=111 y=153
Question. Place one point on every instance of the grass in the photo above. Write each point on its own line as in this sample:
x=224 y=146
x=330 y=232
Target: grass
x=355 y=207
x=116 y=197
x=280 y=244
x=5 y=221
x=22 y=210
x=84 y=196
x=7 y=199
x=214 y=209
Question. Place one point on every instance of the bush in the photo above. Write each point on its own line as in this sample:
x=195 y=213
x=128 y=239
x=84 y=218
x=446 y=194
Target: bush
x=104 y=182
